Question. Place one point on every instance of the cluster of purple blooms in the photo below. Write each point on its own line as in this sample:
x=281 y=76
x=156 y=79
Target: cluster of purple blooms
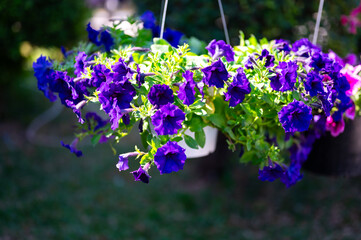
x=319 y=80
x=322 y=80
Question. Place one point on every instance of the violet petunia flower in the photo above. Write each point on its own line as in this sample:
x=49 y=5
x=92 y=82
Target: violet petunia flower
x=295 y=117
x=122 y=164
x=187 y=91
x=168 y=119
x=160 y=94
x=304 y=48
x=115 y=98
x=80 y=63
x=142 y=174
x=283 y=45
x=219 y=48
x=99 y=38
x=215 y=74
x=269 y=58
x=286 y=76
x=238 y=88
x=73 y=147
x=99 y=75
x=170 y=158
x=122 y=71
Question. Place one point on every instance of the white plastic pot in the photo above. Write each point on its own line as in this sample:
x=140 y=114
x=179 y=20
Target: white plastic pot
x=209 y=147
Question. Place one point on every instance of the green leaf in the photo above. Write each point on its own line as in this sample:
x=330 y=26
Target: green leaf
x=190 y=142
x=200 y=137
x=95 y=139
x=144 y=137
x=250 y=156
x=249 y=144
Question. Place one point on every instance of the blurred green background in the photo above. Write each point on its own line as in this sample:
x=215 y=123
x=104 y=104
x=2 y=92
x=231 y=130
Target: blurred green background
x=48 y=193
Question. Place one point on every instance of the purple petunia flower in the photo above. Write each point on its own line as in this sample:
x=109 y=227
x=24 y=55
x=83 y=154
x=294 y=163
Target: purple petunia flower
x=292 y=175
x=304 y=48
x=80 y=63
x=160 y=94
x=168 y=119
x=187 y=91
x=238 y=88
x=269 y=58
x=72 y=147
x=327 y=100
x=219 y=48
x=215 y=74
x=142 y=173
x=44 y=73
x=170 y=158
x=286 y=76
x=122 y=163
x=271 y=172
x=122 y=70
x=314 y=84
x=115 y=97
x=140 y=77
x=295 y=117
x=283 y=45
x=99 y=75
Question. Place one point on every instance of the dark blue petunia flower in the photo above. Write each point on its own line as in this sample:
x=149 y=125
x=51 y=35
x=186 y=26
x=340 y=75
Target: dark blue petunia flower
x=187 y=91
x=327 y=101
x=142 y=174
x=168 y=119
x=172 y=36
x=107 y=40
x=148 y=19
x=94 y=121
x=295 y=117
x=313 y=84
x=215 y=74
x=269 y=58
x=271 y=172
x=80 y=63
x=72 y=147
x=219 y=49
x=160 y=94
x=140 y=77
x=238 y=88
x=321 y=62
x=93 y=35
x=286 y=76
x=44 y=73
x=102 y=37
x=170 y=158
x=292 y=175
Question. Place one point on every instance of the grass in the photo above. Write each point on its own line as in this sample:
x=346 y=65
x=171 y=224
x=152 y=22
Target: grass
x=48 y=193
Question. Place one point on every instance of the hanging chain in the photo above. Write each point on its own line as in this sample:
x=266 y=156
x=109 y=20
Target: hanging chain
x=223 y=21
x=163 y=19
x=318 y=21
